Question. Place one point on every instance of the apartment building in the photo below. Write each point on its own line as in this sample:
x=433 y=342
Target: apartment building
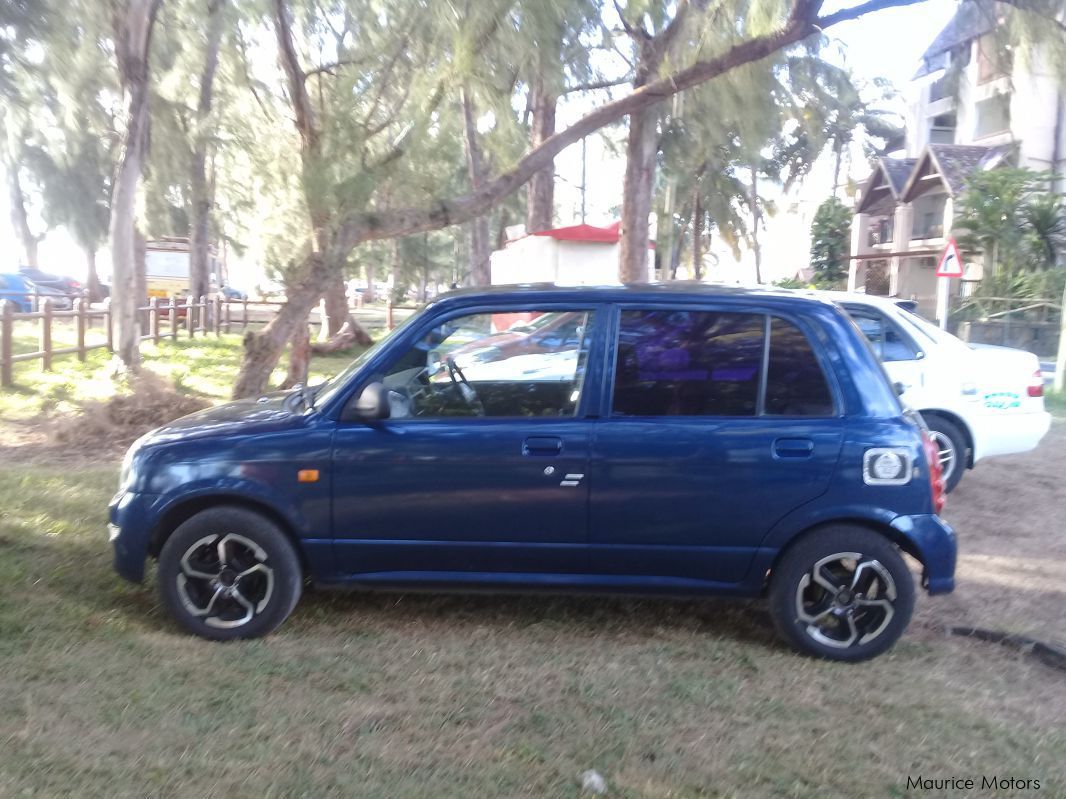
x=972 y=105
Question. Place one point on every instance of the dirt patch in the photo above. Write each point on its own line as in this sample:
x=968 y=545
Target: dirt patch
x=99 y=429
x=1011 y=573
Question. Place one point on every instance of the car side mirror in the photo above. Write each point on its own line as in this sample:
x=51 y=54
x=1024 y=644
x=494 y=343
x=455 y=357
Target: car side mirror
x=372 y=404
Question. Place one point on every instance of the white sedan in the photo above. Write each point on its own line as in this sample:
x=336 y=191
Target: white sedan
x=978 y=400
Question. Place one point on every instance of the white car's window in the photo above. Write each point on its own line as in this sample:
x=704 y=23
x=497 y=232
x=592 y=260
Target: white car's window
x=503 y=364
x=885 y=338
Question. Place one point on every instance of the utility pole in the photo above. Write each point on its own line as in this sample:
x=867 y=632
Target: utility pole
x=583 y=186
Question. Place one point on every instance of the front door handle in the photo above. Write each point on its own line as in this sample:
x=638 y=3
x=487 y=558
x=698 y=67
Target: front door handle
x=793 y=448
x=542 y=445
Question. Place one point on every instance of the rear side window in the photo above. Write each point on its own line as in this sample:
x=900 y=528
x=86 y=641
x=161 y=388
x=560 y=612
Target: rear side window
x=710 y=363
x=795 y=383
x=688 y=363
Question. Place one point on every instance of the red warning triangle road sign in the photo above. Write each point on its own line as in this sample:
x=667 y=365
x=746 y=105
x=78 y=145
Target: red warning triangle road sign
x=950 y=262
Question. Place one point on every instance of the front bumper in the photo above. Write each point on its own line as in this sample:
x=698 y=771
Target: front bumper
x=934 y=541
x=130 y=529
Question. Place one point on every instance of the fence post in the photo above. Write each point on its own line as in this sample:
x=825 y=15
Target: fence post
x=244 y=317
x=389 y=325
x=108 y=328
x=80 y=306
x=46 y=334
x=7 y=330
x=172 y=317
x=201 y=317
x=153 y=318
x=218 y=315
x=228 y=320
x=36 y=299
x=189 y=307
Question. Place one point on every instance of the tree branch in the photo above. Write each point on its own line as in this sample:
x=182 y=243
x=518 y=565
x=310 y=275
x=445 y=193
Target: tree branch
x=596 y=85
x=290 y=63
x=383 y=224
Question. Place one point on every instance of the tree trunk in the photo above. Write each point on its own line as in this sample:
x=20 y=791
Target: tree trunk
x=337 y=311
x=299 y=357
x=756 y=249
x=480 y=273
x=540 y=205
x=641 y=147
x=201 y=190
x=20 y=220
x=371 y=270
x=697 y=235
x=92 y=281
x=132 y=41
x=140 y=278
x=262 y=350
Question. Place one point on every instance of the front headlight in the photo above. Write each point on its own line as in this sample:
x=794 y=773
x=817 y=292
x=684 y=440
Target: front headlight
x=127 y=475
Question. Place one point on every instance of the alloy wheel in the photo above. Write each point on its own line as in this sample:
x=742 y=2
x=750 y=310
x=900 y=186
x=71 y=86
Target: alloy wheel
x=845 y=600
x=225 y=580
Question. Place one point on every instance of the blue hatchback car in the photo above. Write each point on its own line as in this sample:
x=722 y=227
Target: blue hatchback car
x=675 y=439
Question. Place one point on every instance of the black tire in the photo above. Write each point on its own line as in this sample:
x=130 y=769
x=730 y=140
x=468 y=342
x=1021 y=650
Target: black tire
x=247 y=594
x=887 y=579
x=950 y=442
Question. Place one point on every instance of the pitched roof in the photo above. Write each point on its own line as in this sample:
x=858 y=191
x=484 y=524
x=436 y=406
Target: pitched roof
x=601 y=235
x=972 y=19
x=897 y=170
x=890 y=173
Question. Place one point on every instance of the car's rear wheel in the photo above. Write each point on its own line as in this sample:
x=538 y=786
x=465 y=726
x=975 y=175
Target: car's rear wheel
x=842 y=593
x=229 y=573
x=951 y=449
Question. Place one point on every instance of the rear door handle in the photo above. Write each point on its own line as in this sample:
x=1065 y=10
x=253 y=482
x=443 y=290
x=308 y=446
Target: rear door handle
x=793 y=448
x=542 y=445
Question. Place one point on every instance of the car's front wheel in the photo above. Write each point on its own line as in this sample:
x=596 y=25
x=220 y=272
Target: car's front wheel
x=229 y=573
x=842 y=593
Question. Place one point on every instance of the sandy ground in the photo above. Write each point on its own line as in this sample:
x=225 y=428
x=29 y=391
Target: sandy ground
x=1010 y=515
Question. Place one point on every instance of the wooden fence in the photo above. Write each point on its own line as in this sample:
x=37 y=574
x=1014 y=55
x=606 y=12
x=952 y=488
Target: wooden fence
x=161 y=318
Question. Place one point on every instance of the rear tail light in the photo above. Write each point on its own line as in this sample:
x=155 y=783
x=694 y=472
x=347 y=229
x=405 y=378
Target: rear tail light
x=936 y=474
x=1036 y=385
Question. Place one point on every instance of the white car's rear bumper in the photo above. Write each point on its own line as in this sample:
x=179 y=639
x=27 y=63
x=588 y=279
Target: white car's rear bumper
x=1008 y=433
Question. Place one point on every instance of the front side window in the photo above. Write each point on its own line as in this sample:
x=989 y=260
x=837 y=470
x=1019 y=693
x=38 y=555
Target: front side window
x=503 y=365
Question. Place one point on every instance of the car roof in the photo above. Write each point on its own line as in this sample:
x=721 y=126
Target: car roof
x=674 y=290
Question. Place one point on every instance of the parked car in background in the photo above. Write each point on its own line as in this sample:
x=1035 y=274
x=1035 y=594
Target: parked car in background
x=64 y=285
x=685 y=440
x=230 y=293
x=21 y=291
x=978 y=400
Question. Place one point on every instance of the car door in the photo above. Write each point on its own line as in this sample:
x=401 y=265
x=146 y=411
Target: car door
x=707 y=442
x=481 y=466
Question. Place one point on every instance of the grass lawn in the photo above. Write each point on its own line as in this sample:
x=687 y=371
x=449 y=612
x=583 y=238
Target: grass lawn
x=428 y=696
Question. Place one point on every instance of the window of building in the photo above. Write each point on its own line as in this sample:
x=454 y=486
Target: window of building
x=993 y=116
x=993 y=59
x=928 y=217
x=942 y=129
x=881 y=230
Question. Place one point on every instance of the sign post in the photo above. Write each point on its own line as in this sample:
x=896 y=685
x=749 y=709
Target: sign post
x=950 y=266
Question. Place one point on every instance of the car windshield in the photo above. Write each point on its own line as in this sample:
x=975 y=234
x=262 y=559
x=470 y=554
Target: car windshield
x=328 y=390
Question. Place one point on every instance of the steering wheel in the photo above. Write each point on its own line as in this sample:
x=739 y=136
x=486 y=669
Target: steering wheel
x=465 y=389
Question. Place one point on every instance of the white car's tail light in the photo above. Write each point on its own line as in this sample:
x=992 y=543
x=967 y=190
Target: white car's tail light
x=1036 y=385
